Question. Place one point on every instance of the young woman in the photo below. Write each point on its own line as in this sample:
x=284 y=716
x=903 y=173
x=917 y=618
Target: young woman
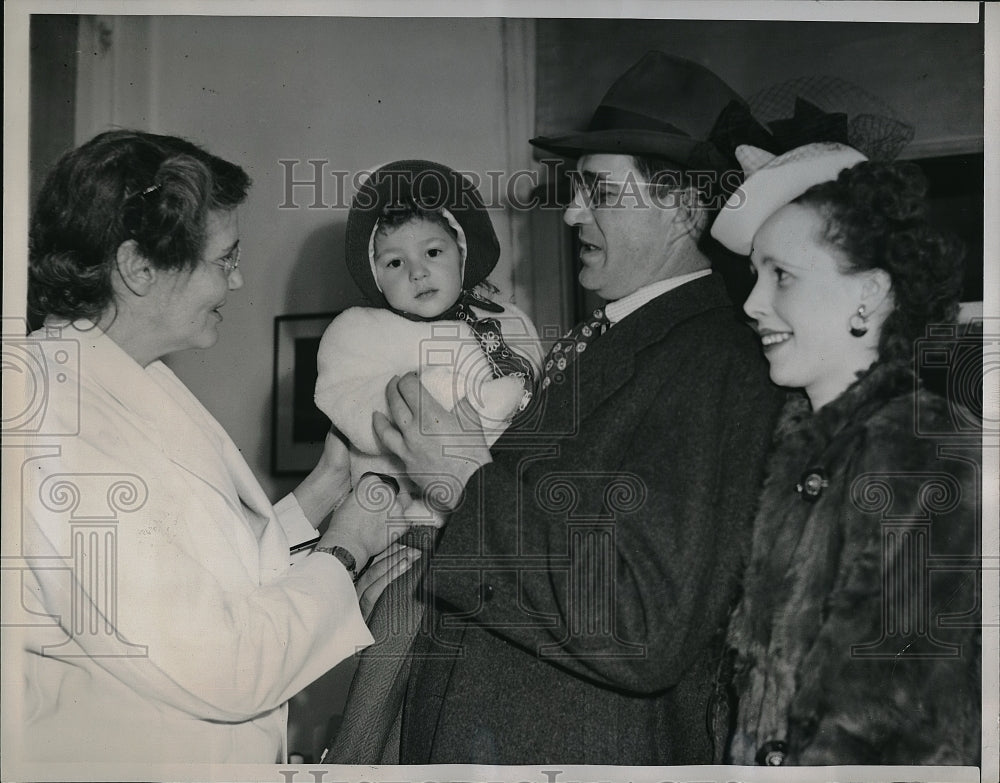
x=857 y=637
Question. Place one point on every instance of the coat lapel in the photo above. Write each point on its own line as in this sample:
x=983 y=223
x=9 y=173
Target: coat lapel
x=262 y=539
x=184 y=431
x=230 y=476
x=609 y=363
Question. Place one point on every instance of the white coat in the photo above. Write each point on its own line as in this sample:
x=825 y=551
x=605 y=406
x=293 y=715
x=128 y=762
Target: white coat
x=177 y=629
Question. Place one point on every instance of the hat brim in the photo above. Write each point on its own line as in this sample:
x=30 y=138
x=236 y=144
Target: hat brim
x=683 y=150
x=775 y=185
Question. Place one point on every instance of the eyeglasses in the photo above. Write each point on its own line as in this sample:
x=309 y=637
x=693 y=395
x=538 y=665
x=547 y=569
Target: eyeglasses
x=230 y=262
x=595 y=192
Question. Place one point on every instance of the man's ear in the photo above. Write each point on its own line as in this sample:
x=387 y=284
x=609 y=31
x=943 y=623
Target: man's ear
x=690 y=210
x=135 y=270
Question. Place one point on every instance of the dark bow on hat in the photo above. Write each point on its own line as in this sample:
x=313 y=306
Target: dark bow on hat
x=808 y=125
x=736 y=125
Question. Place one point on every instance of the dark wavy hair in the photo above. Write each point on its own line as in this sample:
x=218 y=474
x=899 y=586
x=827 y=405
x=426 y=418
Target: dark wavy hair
x=876 y=215
x=121 y=185
x=403 y=210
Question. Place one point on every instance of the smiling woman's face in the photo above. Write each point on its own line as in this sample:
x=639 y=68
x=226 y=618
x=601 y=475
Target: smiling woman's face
x=188 y=300
x=802 y=304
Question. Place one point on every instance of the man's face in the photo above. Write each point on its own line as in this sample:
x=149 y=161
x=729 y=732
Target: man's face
x=627 y=234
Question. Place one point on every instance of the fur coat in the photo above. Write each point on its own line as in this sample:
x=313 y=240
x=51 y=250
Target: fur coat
x=857 y=638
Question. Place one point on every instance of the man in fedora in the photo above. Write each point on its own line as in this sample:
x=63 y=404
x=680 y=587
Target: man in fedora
x=579 y=591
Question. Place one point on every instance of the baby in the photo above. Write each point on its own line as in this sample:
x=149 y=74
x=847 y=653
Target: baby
x=420 y=245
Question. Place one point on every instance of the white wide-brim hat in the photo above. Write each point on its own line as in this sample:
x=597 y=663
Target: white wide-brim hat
x=772 y=182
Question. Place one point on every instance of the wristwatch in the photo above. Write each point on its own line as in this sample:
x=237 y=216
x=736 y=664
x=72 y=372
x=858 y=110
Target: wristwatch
x=343 y=556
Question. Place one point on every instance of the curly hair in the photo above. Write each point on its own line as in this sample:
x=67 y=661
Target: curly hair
x=403 y=210
x=122 y=185
x=876 y=215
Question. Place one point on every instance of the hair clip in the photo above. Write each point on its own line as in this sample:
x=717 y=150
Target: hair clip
x=135 y=205
x=143 y=194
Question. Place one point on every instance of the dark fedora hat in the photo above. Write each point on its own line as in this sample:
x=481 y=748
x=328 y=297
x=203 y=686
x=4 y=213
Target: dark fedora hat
x=429 y=186
x=663 y=106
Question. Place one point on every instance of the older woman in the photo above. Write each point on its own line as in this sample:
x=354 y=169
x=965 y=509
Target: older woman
x=857 y=635
x=177 y=628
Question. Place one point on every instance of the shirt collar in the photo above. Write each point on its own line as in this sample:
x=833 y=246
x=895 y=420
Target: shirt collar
x=620 y=308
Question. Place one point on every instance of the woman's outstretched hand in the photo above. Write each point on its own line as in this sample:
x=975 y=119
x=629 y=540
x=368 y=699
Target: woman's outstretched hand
x=368 y=521
x=329 y=482
x=440 y=449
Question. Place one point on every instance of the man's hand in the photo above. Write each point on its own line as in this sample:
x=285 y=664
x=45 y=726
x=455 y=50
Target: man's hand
x=439 y=451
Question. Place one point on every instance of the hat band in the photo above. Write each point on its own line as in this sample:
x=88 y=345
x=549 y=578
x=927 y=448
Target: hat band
x=613 y=118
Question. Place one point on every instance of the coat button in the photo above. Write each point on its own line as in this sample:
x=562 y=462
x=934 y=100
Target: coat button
x=487 y=592
x=772 y=754
x=812 y=484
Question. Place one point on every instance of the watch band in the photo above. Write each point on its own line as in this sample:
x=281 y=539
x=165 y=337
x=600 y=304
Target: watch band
x=344 y=557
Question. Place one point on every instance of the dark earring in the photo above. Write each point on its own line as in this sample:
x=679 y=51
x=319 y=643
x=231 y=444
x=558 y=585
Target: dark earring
x=859 y=323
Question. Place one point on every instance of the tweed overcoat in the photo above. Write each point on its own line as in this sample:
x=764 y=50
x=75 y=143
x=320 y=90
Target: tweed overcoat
x=579 y=594
x=858 y=634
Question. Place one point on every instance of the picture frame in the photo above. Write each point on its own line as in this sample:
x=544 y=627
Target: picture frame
x=298 y=426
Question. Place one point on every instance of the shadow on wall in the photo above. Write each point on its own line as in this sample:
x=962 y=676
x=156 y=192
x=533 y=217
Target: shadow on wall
x=315 y=713
x=318 y=283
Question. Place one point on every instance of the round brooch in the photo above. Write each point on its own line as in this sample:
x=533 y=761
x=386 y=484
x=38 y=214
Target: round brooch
x=812 y=484
x=772 y=754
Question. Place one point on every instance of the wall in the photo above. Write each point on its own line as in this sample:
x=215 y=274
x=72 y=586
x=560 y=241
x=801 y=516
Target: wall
x=930 y=74
x=52 y=83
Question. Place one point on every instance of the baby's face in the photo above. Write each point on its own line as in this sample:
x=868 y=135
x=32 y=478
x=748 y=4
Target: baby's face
x=419 y=267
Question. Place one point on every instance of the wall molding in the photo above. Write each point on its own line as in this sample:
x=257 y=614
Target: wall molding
x=114 y=84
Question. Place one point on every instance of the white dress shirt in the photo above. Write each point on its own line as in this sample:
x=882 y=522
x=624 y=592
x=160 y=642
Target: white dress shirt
x=627 y=305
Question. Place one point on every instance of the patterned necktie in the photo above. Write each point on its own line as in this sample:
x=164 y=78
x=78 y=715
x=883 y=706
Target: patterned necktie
x=565 y=351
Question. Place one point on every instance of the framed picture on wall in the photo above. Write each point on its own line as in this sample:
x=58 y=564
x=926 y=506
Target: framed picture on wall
x=299 y=427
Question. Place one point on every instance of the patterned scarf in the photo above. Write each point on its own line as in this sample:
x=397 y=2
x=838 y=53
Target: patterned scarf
x=503 y=361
